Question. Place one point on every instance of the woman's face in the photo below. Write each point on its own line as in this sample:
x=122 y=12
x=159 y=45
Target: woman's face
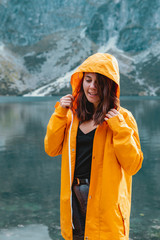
x=90 y=88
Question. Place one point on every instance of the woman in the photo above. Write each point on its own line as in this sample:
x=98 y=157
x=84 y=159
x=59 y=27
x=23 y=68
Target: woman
x=100 y=150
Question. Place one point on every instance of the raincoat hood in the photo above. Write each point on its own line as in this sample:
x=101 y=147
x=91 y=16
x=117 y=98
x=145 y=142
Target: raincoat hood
x=102 y=63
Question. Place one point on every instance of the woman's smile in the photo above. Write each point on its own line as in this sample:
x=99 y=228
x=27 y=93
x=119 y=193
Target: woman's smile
x=93 y=94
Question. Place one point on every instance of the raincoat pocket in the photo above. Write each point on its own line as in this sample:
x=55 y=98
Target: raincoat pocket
x=123 y=214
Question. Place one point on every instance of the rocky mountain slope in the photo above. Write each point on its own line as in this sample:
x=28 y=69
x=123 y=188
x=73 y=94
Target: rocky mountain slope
x=42 y=43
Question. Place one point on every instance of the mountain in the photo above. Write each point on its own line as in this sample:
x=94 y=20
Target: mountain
x=42 y=42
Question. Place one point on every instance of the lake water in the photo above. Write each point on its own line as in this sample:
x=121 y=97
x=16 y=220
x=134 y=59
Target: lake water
x=30 y=180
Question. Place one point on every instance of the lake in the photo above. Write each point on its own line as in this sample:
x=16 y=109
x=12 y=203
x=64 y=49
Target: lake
x=30 y=180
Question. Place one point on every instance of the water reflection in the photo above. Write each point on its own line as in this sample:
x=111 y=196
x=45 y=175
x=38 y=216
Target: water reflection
x=30 y=180
x=145 y=214
x=29 y=232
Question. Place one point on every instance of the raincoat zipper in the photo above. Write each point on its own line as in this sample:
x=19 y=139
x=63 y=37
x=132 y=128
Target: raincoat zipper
x=70 y=169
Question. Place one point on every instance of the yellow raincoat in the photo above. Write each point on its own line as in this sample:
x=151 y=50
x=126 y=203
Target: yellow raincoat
x=116 y=157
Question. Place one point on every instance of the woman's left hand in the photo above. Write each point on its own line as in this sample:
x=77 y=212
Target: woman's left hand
x=112 y=113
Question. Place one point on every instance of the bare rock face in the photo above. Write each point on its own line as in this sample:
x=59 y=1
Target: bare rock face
x=43 y=42
x=12 y=73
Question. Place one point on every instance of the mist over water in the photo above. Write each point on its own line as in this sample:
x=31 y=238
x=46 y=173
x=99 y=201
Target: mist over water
x=30 y=180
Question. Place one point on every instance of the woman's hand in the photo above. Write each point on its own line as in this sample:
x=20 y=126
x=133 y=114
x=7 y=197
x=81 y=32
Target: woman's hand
x=112 y=113
x=66 y=101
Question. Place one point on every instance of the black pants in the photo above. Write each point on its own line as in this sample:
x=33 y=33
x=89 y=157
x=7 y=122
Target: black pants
x=79 y=204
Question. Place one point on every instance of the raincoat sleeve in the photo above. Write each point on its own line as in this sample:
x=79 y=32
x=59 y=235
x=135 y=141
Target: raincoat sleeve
x=53 y=141
x=126 y=142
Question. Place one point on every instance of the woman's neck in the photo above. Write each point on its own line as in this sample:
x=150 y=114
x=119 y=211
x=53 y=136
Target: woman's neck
x=87 y=126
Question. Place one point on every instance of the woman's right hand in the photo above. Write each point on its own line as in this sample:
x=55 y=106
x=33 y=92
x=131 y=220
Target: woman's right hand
x=66 y=101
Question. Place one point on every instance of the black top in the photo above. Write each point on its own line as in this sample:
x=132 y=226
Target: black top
x=84 y=154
